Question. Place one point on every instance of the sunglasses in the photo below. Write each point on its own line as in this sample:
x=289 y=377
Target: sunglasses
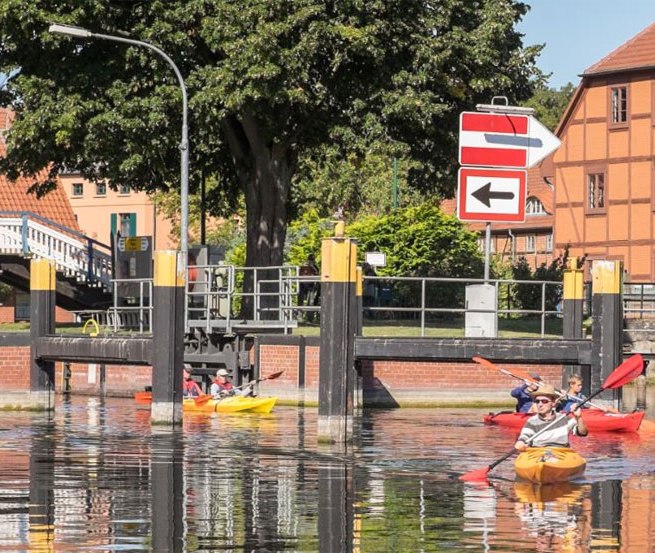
x=543 y=400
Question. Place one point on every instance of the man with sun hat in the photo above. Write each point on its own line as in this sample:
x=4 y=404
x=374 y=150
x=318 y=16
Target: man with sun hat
x=559 y=426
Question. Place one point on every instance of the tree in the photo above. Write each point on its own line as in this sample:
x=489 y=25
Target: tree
x=270 y=82
x=549 y=103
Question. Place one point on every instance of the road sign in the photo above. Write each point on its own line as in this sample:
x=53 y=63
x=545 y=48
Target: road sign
x=503 y=140
x=491 y=195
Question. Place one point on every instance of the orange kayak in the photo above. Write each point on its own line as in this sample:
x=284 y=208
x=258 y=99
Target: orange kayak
x=548 y=465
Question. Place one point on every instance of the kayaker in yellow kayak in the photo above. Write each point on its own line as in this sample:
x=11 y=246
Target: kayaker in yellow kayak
x=222 y=387
x=190 y=387
x=557 y=435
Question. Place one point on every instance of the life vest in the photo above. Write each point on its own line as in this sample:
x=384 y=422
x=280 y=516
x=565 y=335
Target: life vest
x=223 y=386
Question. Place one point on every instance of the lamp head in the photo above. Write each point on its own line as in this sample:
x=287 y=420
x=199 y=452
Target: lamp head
x=69 y=30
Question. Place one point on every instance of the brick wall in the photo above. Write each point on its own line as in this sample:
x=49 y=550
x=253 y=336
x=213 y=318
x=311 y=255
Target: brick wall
x=14 y=368
x=7 y=314
x=394 y=383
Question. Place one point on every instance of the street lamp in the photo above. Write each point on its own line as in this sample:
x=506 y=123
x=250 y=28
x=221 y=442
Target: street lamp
x=184 y=145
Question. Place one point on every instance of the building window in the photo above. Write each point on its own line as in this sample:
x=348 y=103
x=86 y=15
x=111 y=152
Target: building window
x=533 y=206
x=620 y=105
x=596 y=190
x=549 y=242
x=127 y=224
x=530 y=243
x=124 y=189
x=101 y=189
x=78 y=189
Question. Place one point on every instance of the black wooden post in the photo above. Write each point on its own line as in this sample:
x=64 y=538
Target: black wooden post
x=168 y=338
x=607 y=329
x=573 y=316
x=42 y=323
x=338 y=327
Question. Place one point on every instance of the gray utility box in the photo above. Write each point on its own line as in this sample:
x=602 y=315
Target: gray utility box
x=481 y=320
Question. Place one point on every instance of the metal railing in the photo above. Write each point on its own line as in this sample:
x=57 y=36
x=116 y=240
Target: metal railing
x=128 y=313
x=434 y=297
x=30 y=235
x=281 y=298
x=638 y=300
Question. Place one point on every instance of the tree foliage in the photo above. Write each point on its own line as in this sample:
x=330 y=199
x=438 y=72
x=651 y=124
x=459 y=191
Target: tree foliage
x=527 y=296
x=272 y=84
x=549 y=103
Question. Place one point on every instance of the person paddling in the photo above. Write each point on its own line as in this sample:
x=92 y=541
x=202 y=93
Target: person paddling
x=522 y=395
x=190 y=387
x=557 y=435
x=574 y=396
x=222 y=387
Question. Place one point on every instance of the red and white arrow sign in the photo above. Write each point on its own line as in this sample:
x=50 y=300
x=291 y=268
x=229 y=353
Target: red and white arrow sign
x=491 y=195
x=503 y=140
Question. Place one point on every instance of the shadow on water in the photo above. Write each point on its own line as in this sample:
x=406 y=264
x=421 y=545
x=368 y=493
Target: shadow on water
x=96 y=476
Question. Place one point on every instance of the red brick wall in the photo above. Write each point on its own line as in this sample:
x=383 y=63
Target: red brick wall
x=120 y=380
x=14 y=368
x=6 y=314
x=399 y=382
x=402 y=382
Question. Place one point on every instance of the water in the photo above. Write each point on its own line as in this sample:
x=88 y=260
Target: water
x=97 y=477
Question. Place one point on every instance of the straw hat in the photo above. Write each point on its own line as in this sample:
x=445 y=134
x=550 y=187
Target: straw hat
x=545 y=390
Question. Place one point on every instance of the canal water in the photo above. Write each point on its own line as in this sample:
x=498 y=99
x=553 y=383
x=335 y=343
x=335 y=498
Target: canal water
x=96 y=476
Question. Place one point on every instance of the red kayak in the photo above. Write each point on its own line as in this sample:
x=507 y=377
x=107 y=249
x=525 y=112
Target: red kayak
x=596 y=420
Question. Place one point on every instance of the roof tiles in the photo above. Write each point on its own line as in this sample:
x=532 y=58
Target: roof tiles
x=14 y=195
x=636 y=53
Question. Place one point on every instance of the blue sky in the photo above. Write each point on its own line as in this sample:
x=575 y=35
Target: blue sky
x=578 y=33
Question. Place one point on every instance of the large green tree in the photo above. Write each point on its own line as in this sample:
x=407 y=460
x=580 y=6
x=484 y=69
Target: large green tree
x=270 y=82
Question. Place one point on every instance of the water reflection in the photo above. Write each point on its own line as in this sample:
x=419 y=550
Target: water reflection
x=97 y=477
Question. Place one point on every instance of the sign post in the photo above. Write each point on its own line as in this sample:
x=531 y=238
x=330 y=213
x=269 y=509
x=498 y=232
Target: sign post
x=496 y=145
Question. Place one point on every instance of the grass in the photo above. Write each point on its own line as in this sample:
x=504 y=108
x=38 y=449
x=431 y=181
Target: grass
x=454 y=328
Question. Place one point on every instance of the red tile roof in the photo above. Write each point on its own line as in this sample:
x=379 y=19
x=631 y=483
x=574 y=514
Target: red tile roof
x=14 y=195
x=636 y=53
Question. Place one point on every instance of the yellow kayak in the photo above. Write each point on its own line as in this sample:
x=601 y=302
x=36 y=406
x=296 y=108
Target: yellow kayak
x=546 y=465
x=231 y=404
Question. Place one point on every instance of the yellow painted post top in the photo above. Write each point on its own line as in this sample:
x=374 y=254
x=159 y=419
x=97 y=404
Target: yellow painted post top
x=338 y=260
x=573 y=281
x=359 y=289
x=42 y=274
x=168 y=272
x=607 y=277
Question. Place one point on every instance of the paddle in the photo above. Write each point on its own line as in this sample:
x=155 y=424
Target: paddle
x=522 y=375
x=626 y=372
x=201 y=400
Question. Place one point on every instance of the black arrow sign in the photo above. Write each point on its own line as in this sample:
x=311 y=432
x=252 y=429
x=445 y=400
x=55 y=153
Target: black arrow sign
x=485 y=195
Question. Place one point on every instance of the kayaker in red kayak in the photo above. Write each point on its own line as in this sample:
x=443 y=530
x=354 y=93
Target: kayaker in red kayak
x=190 y=387
x=557 y=435
x=574 y=396
x=523 y=397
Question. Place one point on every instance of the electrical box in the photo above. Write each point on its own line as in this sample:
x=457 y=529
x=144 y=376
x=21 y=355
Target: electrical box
x=132 y=260
x=481 y=318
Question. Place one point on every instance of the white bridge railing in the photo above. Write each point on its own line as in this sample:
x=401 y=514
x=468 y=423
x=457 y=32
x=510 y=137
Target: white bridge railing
x=29 y=235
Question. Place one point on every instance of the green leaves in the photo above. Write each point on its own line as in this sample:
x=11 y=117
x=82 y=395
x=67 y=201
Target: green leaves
x=335 y=90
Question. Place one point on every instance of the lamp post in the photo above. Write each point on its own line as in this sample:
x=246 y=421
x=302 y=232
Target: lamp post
x=184 y=144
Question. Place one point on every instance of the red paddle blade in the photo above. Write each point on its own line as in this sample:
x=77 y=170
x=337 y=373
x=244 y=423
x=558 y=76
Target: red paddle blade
x=475 y=475
x=201 y=400
x=626 y=372
x=273 y=376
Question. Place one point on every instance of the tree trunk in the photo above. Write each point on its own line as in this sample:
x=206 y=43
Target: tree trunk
x=264 y=169
x=267 y=194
